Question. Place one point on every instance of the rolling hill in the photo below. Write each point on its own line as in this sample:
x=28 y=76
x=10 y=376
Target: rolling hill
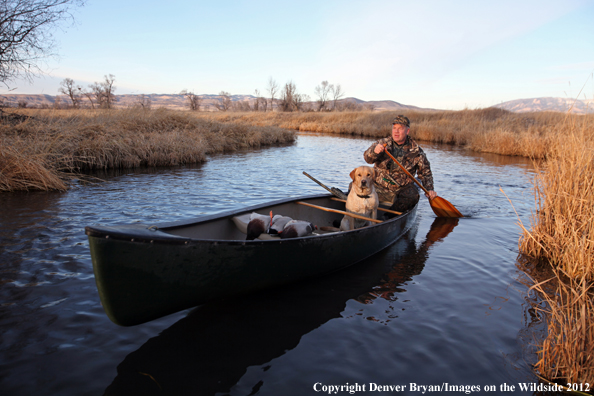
x=549 y=104
x=179 y=102
x=209 y=102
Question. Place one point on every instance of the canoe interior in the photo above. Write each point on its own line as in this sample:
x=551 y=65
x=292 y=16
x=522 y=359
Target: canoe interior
x=225 y=229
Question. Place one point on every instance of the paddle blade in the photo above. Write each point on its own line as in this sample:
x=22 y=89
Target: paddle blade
x=443 y=208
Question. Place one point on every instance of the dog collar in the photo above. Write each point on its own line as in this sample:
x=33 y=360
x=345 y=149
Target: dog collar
x=363 y=196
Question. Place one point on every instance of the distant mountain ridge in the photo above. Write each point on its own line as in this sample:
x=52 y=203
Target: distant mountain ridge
x=179 y=102
x=562 y=105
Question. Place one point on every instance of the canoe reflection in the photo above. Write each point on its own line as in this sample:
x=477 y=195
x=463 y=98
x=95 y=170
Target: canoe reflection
x=210 y=350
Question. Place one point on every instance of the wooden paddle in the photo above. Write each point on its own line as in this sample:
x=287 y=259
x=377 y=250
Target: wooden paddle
x=332 y=190
x=440 y=206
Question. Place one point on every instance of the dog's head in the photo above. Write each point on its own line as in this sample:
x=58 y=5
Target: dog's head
x=363 y=177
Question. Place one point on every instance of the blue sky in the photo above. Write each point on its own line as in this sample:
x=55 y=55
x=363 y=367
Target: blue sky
x=436 y=54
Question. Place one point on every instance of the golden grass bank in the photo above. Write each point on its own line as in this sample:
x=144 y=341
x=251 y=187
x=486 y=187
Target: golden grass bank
x=43 y=149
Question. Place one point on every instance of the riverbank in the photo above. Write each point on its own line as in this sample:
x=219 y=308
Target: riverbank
x=559 y=253
x=43 y=149
x=40 y=149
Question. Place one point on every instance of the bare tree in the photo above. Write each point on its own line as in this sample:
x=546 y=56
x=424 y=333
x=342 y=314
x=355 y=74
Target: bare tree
x=26 y=34
x=97 y=92
x=225 y=101
x=272 y=90
x=104 y=92
x=144 y=101
x=90 y=95
x=323 y=93
x=257 y=101
x=58 y=103
x=260 y=103
x=337 y=93
x=67 y=88
x=194 y=101
x=305 y=103
x=286 y=101
x=241 y=106
x=108 y=91
x=263 y=103
x=290 y=100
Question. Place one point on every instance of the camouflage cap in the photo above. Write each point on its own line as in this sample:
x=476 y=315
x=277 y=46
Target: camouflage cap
x=402 y=120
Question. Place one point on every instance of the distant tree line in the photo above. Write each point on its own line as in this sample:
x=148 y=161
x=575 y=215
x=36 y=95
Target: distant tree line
x=288 y=99
x=101 y=95
x=26 y=39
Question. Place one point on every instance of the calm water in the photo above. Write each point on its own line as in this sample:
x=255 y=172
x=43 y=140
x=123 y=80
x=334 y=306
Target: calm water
x=442 y=306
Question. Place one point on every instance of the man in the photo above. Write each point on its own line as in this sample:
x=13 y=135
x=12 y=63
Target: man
x=392 y=184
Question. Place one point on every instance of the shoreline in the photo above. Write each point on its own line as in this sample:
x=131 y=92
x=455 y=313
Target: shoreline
x=40 y=149
x=45 y=149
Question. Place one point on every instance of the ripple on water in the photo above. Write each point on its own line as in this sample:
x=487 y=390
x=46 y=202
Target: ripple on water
x=446 y=311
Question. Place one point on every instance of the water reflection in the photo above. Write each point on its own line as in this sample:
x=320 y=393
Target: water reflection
x=404 y=270
x=27 y=227
x=535 y=327
x=211 y=349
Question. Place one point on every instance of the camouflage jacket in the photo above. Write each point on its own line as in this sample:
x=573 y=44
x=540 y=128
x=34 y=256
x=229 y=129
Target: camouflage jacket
x=410 y=155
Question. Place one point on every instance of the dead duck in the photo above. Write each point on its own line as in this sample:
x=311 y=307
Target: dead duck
x=297 y=228
x=278 y=224
x=259 y=224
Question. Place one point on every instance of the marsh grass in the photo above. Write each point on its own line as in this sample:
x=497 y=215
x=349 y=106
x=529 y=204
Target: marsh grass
x=489 y=130
x=20 y=171
x=42 y=149
x=561 y=236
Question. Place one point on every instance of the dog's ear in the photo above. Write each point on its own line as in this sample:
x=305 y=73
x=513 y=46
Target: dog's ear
x=373 y=173
x=353 y=173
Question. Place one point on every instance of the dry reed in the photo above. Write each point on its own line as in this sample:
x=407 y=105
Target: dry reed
x=41 y=150
x=562 y=236
x=490 y=130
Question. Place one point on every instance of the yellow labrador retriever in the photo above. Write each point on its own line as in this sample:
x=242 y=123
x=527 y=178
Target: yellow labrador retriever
x=362 y=199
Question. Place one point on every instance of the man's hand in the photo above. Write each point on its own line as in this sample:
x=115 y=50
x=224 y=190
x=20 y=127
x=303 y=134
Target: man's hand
x=379 y=149
x=432 y=194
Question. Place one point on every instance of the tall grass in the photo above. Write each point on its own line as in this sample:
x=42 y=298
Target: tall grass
x=41 y=150
x=485 y=130
x=562 y=236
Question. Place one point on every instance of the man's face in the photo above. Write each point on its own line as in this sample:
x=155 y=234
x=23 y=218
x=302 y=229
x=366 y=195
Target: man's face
x=399 y=133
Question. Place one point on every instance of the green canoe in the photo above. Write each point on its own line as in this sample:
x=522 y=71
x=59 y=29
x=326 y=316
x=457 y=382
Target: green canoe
x=144 y=272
